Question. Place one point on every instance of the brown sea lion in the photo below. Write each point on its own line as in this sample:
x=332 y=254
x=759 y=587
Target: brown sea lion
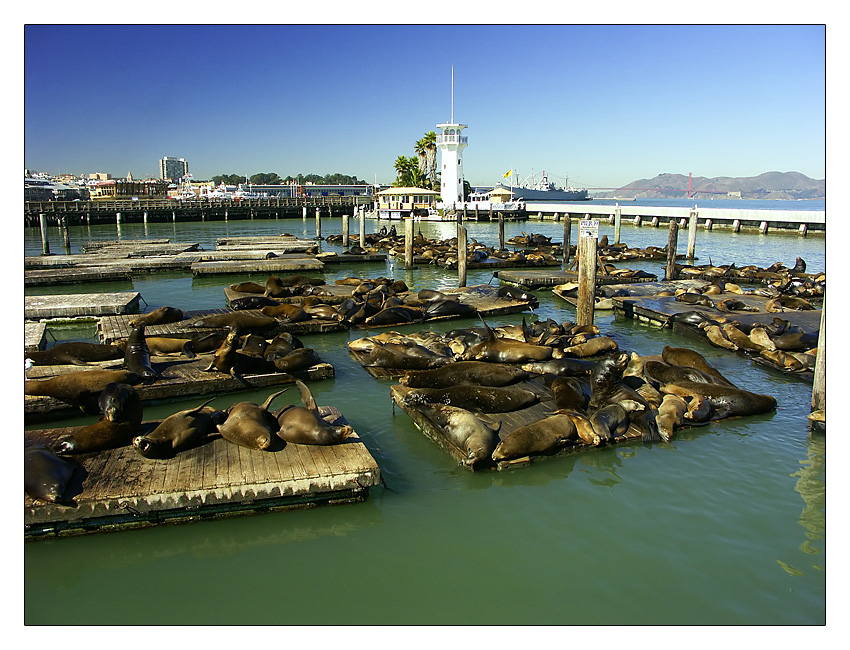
x=671 y=414
x=568 y=394
x=784 y=360
x=730 y=304
x=298 y=359
x=487 y=399
x=121 y=410
x=612 y=420
x=248 y=287
x=584 y=430
x=168 y=345
x=663 y=373
x=596 y=345
x=501 y=350
x=47 y=476
x=286 y=313
x=245 y=320
x=566 y=367
x=81 y=389
x=137 y=356
x=179 y=431
x=691 y=359
x=540 y=437
x=478 y=373
x=230 y=361
x=76 y=353
x=250 y=425
x=304 y=424
x=725 y=401
x=740 y=339
x=274 y=288
x=253 y=345
x=465 y=430
x=160 y=316
x=252 y=302
x=607 y=387
x=281 y=345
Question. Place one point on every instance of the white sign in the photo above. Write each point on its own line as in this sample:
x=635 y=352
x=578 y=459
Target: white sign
x=588 y=228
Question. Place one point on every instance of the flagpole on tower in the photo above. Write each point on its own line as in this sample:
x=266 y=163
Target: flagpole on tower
x=452 y=120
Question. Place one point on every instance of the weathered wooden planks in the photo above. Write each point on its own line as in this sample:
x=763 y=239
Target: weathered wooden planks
x=45 y=277
x=35 y=336
x=533 y=279
x=273 y=265
x=122 y=489
x=81 y=304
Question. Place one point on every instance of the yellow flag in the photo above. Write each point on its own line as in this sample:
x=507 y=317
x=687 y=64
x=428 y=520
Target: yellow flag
x=508 y=173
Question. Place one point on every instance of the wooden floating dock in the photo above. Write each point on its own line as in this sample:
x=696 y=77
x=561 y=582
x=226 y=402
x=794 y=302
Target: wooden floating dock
x=511 y=421
x=113 y=328
x=531 y=279
x=46 y=277
x=246 y=267
x=182 y=377
x=281 y=242
x=35 y=337
x=121 y=489
x=81 y=304
x=638 y=288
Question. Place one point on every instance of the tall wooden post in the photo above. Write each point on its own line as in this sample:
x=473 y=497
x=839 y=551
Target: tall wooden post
x=304 y=213
x=345 y=229
x=318 y=222
x=45 y=241
x=118 y=218
x=692 y=236
x=408 y=242
x=567 y=237
x=66 y=237
x=672 y=245
x=461 y=257
x=617 y=219
x=586 y=273
x=501 y=230
x=362 y=212
x=819 y=383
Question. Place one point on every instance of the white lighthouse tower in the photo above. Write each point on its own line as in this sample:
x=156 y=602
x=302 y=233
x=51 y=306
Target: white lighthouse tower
x=451 y=142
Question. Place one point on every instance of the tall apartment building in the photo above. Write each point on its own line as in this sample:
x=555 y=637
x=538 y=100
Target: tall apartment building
x=172 y=169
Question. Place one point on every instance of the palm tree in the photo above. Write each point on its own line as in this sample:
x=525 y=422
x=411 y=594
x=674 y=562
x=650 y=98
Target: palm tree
x=419 y=148
x=408 y=173
x=430 y=146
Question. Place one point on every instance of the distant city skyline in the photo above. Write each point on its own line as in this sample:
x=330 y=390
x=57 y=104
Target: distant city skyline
x=602 y=104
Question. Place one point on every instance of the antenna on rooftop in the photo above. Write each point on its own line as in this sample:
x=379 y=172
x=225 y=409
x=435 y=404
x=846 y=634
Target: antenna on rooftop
x=452 y=120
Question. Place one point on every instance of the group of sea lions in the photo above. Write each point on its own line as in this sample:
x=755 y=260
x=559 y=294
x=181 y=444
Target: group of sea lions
x=541 y=341
x=595 y=402
x=48 y=470
x=779 y=279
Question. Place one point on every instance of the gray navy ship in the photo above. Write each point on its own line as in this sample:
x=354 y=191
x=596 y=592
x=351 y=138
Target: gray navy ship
x=543 y=190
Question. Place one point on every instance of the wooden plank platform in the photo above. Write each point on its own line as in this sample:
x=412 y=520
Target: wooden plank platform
x=48 y=277
x=274 y=265
x=349 y=258
x=532 y=279
x=637 y=288
x=122 y=489
x=182 y=377
x=81 y=304
x=261 y=241
x=113 y=328
x=659 y=310
x=510 y=422
x=35 y=337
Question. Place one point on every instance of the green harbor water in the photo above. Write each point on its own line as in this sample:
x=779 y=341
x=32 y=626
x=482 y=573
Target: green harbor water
x=725 y=525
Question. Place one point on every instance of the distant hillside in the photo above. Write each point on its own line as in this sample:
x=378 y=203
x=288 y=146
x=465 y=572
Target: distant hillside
x=770 y=185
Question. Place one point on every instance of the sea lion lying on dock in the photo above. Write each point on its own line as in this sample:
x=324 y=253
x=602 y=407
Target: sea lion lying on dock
x=250 y=425
x=121 y=411
x=47 y=476
x=487 y=399
x=180 y=431
x=81 y=389
x=304 y=424
x=540 y=437
x=160 y=316
x=77 y=353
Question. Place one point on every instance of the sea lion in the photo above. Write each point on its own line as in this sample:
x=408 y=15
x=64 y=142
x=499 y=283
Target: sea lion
x=730 y=304
x=595 y=346
x=607 y=387
x=249 y=425
x=725 y=401
x=612 y=420
x=230 y=361
x=759 y=337
x=691 y=359
x=304 y=425
x=252 y=302
x=281 y=345
x=47 y=476
x=137 y=356
x=740 y=339
x=512 y=293
x=487 y=399
x=662 y=373
x=169 y=345
x=671 y=414
x=477 y=373
x=81 y=389
x=121 y=411
x=796 y=341
x=541 y=437
x=694 y=299
x=245 y=320
x=247 y=287
x=466 y=431
x=568 y=394
x=501 y=350
x=253 y=345
x=584 y=430
x=565 y=367
x=323 y=312
x=436 y=308
x=784 y=360
x=298 y=280
x=799 y=266
x=179 y=431
x=716 y=335
x=274 y=288
x=298 y=359
x=160 y=316
x=286 y=313
x=395 y=316
x=76 y=353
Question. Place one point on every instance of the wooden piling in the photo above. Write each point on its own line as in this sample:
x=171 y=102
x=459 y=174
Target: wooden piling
x=736 y=226
x=586 y=276
x=362 y=213
x=617 y=219
x=345 y=229
x=66 y=237
x=672 y=245
x=567 y=237
x=45 y=242
x=803 y=229
x=318 y=223
x=692 y=235
x=461 y=256
x=708 y=224
x=763 y=228
x=819 y=381
x=408 y=242
x=501 y=231
x=118 y=218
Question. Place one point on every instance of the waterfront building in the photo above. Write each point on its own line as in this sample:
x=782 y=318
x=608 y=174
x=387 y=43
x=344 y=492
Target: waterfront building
x=451 y=143
x=172 y=169
x=122 y=189
x=401 y=202
x=100 y=176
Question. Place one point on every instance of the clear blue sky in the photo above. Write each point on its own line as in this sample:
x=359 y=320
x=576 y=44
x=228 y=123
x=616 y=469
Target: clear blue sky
x=604 y=104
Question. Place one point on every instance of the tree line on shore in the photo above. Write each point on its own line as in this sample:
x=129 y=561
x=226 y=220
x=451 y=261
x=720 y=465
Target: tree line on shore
x=271 y=178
